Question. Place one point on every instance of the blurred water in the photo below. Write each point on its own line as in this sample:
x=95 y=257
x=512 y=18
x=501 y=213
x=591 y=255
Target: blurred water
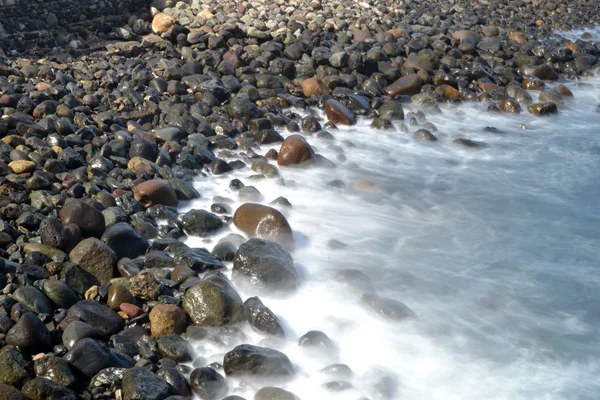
x=496 y=250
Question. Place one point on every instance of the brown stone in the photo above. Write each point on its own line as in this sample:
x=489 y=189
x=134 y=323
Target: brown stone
x=366 y=186
x=540 y=109
x=86 y=217
x=517 y=37
x=118 y=294
x=155 y=192
x=533 y=84
x=264 y=222
x=144 y=286
x=407 y=85
x=312 y=86
x=43 y=87
x=166 y=319
x=162 y=23
x=448 y=92
x=564 y=91
x=181 y=272
x=339 y=113
x=543 y=71
x=399 y=33
x=488 y=86
x=295 y=150
x=510 y=106
x=131 y=310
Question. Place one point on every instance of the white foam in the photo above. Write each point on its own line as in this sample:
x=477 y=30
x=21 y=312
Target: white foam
x=495 y=250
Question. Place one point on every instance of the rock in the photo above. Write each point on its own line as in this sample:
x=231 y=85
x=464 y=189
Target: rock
x=14 y=369
x=541 y=109
x=468 y=143
x=10 y=393
x=213 y=303
x=22 y=166
x=104 y=320
x=60 y=293
x=517 y=37
x=198 y=259
x=463 y=35
x=201 y=223
x=96 y=258
x=88 y=356
x=425 y=136
x=274 y=393
x=339 y=113
x=264 y=222
x=318 y=342
x=174 y=347
x=156 y=191
x=391 y=110
x=166 y=319
x=163 y=23
x=259 y=362
x=33 y=299
x=56 y=369
x=313 y=86
x=407 y=85
x=208 y=384
x=125 y=241
x=48 y=251
x=141 y=384
x=265 y=267
x=87 y=218
x=262 y=318
x=391 y=310
x=117 y=295
x=54 y=234
x=418 y=63
x=243 y=109
x=144 y=286
x=510 y=106
x=30 y=334
x=45 y=389
x=78 y=279
x=107 y=377
x=177 y=380
x=295 y=150
x=544 y=72
x=76 y=331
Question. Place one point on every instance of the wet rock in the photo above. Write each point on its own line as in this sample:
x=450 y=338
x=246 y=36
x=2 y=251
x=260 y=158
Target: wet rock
x=125 y=241
x=389 y=309
x=213 y=303
x=338 y=371
x=407 y=85
x=156 y=191
x=60 y=293
x=141 y=384
x=33 y=299
x=274 y=393
x=22 y=166
x=166 y=319
x=45 y=389
x=542 y=109
x=88 y=356
x=260 y=362
x=14 y=369
x=29 y=334
x=56 y=369
x=76 y=331
x=425 y=136
x=198 y=259
x=10 y=393
x=468 y=143
x=339 y=113
x=317 y=342
x=174 y=347
x=264 y=222
x=96 y=258
x=265 y=267
x=544 y=72
x=510 y=106
x=295 y=150
x=104 y=320
x=117 y=295
x=86 y=217
x=201 y=223
x=262 y=318
x=177 y=381
x=391 y=110
x=208 y=384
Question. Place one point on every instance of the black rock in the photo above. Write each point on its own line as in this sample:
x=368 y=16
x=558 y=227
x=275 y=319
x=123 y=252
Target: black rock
x=56 y=369
x=105 y=321
x=30 y=334
x=141 y=384
x=208 y=384
x=173 y=377
x=262 y=318
x=88 y=356
x=257 y=361
x=14 y=369
x=45 y=389
x=174 y=347
x=125 y=241
x=201 y=223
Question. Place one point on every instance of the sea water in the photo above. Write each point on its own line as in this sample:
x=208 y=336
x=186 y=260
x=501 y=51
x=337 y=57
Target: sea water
x=496 y=250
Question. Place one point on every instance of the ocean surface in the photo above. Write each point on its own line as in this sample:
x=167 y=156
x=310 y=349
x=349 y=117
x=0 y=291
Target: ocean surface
x=496 y=250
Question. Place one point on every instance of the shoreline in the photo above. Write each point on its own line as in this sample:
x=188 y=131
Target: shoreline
x=101 y=157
